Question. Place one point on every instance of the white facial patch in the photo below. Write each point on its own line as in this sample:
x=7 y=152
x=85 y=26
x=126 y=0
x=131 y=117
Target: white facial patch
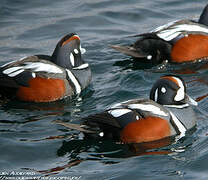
x=149 y=108
x=72 y=59
x=119 y=112
x=180 y=95
x=76 y=51
x=163 y=90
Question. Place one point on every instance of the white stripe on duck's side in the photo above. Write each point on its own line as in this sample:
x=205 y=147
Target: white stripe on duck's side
x=118 y=112
x=177 y=106
x=12 y=70
x=149 y=108
x=74 y=81
x=34 y=66
x=42 y=67
x=16 y=73
x=174 y=31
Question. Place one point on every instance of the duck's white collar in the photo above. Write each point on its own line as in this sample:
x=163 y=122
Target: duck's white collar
x=177 y=106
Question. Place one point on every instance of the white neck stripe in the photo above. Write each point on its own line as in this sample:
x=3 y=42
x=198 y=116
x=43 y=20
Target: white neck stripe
x=83 y=66
x=74 y=81
x=72 y=59
x=177 y=106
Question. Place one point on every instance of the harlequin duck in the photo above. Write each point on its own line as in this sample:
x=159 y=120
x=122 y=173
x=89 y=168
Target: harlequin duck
x=42 y=78
x=167 y=113
x=176 y=42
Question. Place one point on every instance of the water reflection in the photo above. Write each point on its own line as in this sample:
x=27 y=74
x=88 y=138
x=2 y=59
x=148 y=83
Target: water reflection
x=76 y=151
x=183 y=68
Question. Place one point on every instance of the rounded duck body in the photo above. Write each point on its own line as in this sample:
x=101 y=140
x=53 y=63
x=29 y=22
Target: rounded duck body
x=42 y=78
x=177 y=42
x=167 y=113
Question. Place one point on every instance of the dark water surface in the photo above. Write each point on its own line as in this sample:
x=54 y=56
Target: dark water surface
x=29 y=140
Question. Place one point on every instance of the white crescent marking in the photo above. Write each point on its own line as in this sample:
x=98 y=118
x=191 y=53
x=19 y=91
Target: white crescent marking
x=156 y=95
x=180 y=126
x=74 y=81
x=72 y=59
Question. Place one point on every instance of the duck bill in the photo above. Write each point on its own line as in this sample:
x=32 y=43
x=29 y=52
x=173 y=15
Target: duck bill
x=130 y=51
x=190 y=101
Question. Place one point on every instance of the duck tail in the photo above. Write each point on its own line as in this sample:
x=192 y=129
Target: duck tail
x=78 y=127
x=204 y=16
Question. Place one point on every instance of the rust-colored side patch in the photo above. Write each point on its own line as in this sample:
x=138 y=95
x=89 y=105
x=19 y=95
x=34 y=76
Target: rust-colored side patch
x=42 y=90
x=145 y=130
x=190 y=48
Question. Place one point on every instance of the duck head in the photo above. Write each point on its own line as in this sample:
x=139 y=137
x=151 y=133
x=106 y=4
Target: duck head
x=68 y=52
x=170 y=90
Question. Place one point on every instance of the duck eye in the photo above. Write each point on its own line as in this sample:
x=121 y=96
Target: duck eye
x=163 y=90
